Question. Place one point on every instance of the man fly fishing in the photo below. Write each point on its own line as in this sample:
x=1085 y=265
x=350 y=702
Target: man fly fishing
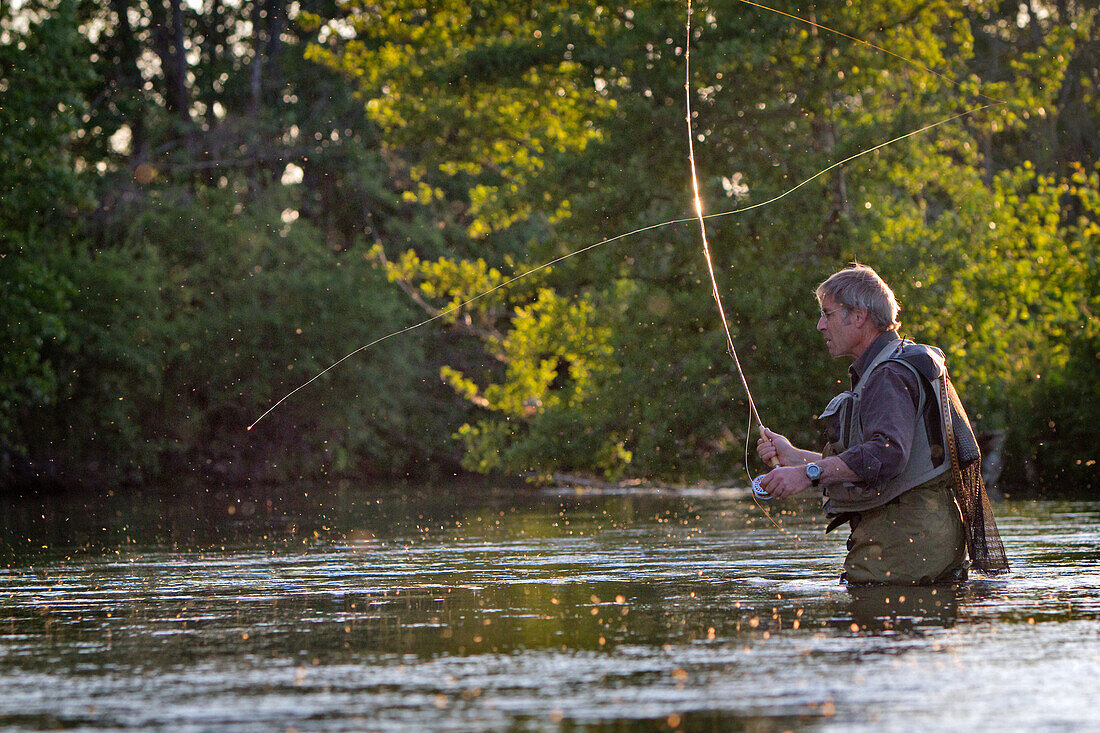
x=900 y=464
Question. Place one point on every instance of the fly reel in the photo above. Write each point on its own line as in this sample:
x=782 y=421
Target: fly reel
x=759 y=490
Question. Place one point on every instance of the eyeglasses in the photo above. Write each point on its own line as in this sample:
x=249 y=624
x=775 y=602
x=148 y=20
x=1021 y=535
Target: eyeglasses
x=825 y=314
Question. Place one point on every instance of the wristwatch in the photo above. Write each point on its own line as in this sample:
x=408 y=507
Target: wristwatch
x=813 y=472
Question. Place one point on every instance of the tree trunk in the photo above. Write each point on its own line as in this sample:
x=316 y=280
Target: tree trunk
x=168 y=43
x=129 y=80
x=257 y=77
x=268 y=23
x=179 y=61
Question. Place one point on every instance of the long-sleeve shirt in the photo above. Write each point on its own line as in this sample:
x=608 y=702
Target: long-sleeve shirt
x=889 y=415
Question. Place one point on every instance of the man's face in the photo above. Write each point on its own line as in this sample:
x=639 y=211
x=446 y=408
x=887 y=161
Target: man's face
x=836 y=325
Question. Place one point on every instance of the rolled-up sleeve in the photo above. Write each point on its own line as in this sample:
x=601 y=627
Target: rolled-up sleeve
x=888 y=410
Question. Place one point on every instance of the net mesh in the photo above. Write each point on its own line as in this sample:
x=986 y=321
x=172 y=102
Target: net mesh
x=987 y=552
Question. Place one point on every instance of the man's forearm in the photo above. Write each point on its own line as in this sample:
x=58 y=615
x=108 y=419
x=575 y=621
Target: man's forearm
x=800 y=457
x=791 y=478
x=835 y=471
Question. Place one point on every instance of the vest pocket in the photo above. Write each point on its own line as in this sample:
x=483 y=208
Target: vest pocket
x=835 y=420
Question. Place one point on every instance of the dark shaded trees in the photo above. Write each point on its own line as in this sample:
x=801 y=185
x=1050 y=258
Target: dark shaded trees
x=198 y=215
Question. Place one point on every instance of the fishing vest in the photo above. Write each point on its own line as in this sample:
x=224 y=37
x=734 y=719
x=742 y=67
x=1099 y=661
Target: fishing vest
x=843 y=429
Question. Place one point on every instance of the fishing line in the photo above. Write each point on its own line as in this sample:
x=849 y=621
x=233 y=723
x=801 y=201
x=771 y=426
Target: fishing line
x=906 y=59
x=463 y=304
x=609 y=240
x=652 y=227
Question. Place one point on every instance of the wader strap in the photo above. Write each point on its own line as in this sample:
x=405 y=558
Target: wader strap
x=949 y=430
x=843 y=518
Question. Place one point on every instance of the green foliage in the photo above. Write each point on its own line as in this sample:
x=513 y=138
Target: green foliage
x=35 y=298
x=971 y=245
x=476 y=98
x=999 y=275
x=42 y=78
x=551 y=354
x=191 y=232
x=468 y=286
x=177 y=330
x=1054 y=446
x=1054 y=442
x=196 y=287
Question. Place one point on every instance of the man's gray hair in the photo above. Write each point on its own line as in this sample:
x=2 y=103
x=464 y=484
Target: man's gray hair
x=858 y=286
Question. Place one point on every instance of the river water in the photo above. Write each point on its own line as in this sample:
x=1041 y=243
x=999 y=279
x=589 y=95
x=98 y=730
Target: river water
x=472 y=607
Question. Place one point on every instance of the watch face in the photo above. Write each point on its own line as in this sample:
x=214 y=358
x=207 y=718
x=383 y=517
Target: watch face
x=813 y=470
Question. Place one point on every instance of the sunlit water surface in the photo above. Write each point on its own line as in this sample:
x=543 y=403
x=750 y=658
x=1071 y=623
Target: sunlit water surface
x=474 y=608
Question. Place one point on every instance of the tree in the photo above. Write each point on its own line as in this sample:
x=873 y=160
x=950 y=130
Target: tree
x=209 y=253
x=42 y=81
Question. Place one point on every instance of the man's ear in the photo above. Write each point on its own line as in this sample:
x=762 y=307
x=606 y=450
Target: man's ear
x=860 y=315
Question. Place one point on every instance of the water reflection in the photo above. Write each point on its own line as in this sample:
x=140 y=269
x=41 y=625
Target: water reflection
x=492 y=609
x=903 y=609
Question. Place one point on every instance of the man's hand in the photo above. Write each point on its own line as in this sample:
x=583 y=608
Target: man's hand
x=774 y=447
x=785 y=481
